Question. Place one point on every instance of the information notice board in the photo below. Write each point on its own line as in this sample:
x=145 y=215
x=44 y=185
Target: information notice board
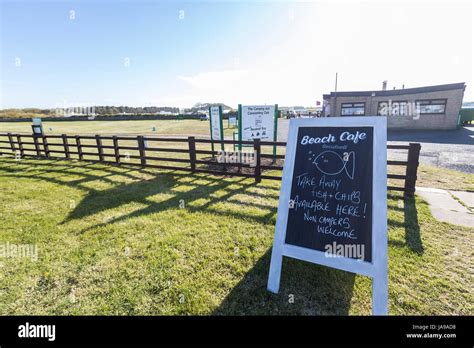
x=215 y=121
x=258 y=122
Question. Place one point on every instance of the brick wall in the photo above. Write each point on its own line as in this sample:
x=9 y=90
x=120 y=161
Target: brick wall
x=447 y=121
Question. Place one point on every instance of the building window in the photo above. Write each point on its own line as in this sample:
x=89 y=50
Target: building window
x=393 y=108
x=352 y=109
x=431 y=107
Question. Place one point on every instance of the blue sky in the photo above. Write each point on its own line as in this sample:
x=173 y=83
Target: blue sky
x=178 y=53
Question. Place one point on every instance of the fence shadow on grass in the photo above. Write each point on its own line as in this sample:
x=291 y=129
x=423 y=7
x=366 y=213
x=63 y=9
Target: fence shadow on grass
x=305 y=289
x=412 y=227
x=180 y=189
x=40 y=170
x=198 y=192
x=198 y=187
x=409 y=223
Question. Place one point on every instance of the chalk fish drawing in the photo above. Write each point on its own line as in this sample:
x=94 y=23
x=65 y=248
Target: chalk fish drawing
x=331 y=163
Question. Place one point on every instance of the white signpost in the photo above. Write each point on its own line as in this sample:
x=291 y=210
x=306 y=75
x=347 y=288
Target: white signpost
x=215 y=120
x=258 y=122
x=351 y=153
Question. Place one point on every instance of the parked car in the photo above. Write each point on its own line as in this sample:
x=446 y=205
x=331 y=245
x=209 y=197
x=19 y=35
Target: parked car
x=204 y=118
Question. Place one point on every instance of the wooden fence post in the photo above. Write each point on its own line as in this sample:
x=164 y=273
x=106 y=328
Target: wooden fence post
x=37 y=147
x=20 y=145
x=45 y=146
x=141 y=149
x=66 y=146
x=192 y=153
x=116 y=149
x=412 y=168
x=12 y=144
x=257 y=152
x=100 y=150
x=79 y=148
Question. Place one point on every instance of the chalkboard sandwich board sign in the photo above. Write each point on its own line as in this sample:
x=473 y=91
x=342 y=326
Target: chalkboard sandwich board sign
x=333 y=200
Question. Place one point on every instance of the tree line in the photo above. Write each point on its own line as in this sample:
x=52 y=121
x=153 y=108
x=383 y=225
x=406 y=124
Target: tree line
x=105 y=110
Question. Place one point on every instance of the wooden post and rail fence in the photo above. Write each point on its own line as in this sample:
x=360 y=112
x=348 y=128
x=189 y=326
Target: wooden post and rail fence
x=78 y=146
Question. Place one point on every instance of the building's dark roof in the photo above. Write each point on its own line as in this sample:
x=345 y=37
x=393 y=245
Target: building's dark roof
x=402 y=91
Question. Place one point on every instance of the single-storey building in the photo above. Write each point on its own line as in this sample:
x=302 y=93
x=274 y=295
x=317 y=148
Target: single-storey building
x=431 y=107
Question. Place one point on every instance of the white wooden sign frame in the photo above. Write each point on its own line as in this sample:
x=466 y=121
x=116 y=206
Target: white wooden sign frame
x=242 y=122
x=378 y=268
x=215 y=121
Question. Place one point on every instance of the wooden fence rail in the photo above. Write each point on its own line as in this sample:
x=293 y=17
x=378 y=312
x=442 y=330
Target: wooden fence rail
x=148 y=153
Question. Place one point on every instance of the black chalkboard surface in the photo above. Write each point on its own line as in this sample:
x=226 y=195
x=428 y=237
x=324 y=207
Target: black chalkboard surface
x=331 y=191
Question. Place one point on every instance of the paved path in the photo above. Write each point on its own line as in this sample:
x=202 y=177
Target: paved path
x=455 y=207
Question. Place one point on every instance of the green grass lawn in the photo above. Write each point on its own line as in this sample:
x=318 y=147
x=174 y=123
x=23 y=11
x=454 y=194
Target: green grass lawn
x=133 y=127
x=442 y=178
x=118 y=240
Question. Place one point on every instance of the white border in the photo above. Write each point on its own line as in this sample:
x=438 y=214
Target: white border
x=378 y=268
x=215 y=119
x=249 y=121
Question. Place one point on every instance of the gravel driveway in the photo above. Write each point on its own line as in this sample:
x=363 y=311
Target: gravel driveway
x=452 y=149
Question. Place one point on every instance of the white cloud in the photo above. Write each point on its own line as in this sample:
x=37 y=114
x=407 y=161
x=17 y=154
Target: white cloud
x=288 y=87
